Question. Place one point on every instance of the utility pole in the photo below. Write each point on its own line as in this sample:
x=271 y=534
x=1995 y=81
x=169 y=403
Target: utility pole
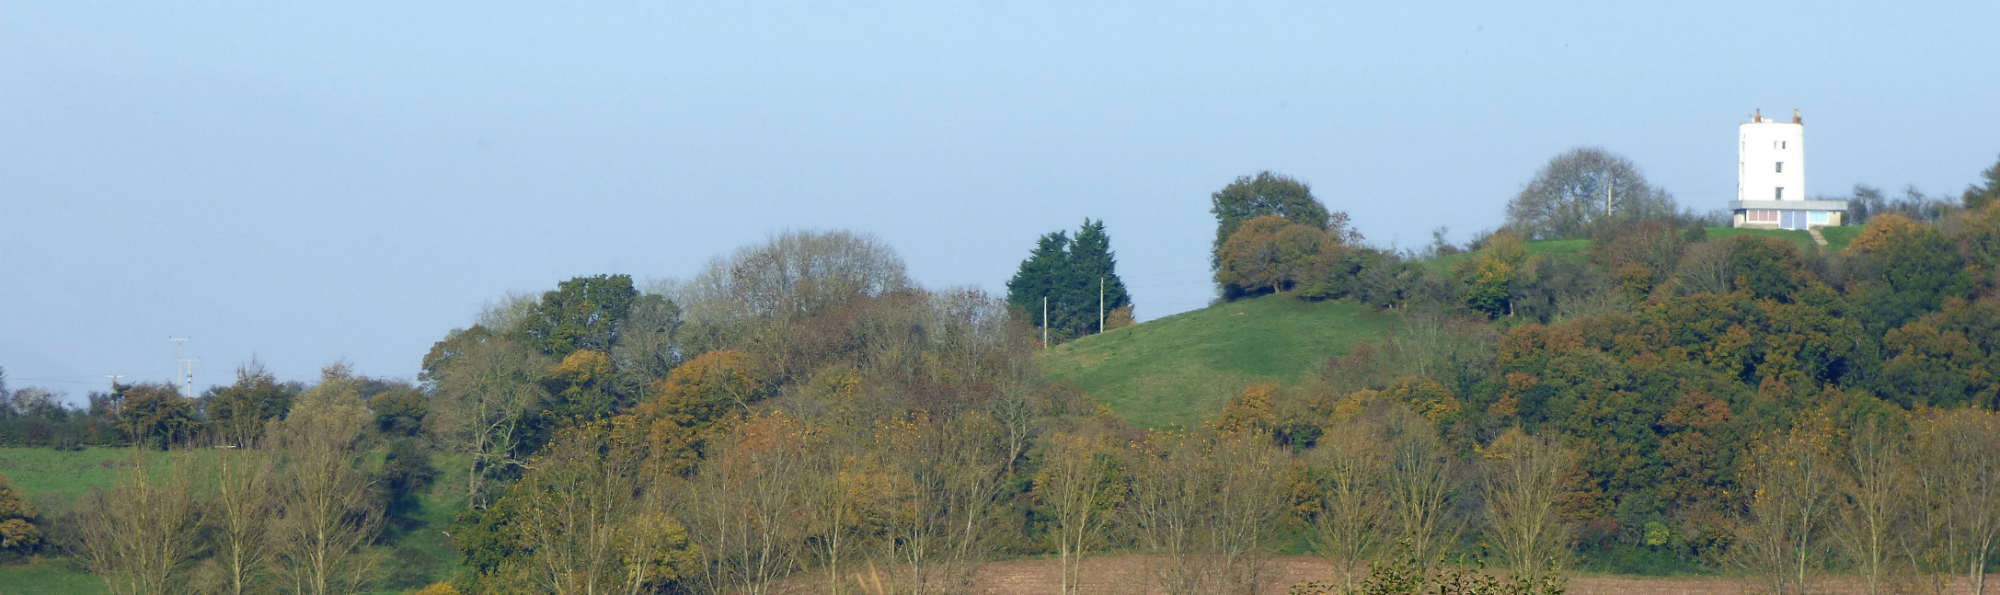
x=1609 y=183
x=1100 y=304
x=114 y=380
x=1045 y=322
x=186 y=366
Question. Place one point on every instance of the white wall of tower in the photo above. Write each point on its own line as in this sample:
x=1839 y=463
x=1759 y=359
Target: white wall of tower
x=1761 y=147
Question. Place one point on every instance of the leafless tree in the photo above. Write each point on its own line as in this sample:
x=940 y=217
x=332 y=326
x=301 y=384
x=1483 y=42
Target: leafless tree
x=1704 y=268
x=140 y=535
x=243 y=510
x=326 y=515
x=593 y=523
x=1874 y=501
x=1080 y=487
x=743 y=508
x=482 y=384
x=1958 y=472
x=1420 y=482
x=1525 y=479
x=1354 y=468
x=943 y=504
x=1792 y=479
x=1205 y=503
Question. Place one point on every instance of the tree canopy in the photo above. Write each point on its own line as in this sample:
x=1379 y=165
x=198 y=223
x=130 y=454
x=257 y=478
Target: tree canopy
x=1979 y=195
x=1250 y=197
x=1583 y=187
x=1068 y=271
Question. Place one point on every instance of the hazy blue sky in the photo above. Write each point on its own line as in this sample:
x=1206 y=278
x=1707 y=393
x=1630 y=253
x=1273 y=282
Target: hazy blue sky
x=306 y=182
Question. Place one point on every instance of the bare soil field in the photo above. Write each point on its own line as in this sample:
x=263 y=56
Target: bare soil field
x=1132 y=575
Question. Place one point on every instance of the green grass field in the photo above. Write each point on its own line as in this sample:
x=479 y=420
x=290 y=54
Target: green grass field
x=418 y=555
x=1797 y=237
x=1838 y=237
x=1183 y=368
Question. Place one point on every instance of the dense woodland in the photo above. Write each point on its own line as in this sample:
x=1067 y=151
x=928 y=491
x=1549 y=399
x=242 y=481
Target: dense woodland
x=800 y=413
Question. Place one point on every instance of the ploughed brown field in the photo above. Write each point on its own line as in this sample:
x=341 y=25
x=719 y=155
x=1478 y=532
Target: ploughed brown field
x=1131 y=575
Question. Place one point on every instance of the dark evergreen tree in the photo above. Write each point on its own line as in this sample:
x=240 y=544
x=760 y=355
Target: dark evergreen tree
x=1069 y=272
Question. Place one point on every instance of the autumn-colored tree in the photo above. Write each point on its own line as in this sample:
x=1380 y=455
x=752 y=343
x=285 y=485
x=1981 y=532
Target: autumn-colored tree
x=1902 y=269
x=1204 y=503
x=1946 y=358
x=943 y=506
x=1526 y=478
x=677 y=417
x=1645 y=252
x=743 y=509
x=1253 y=411
x=579 y=389
x=1793 y=478
x=846 y=496
x=1271 y=254
x=1490 y=277
x=593 y=521
x=1274 y=195
x=1081 y=486
x=139 y=536
x=18 y=517
x=1957 y=467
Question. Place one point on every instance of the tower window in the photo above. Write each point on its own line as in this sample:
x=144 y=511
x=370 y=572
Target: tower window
x=1781 y=167
x=1780 y=194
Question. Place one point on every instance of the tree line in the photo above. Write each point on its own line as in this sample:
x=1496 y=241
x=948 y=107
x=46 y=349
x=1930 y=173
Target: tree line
x=799 y=411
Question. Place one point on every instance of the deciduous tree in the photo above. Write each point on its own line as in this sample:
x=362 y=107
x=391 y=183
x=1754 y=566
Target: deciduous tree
x=326 y=516
x=1526 y=478
x=1081 y=486
x=1957 y=467
x=238 y=413
x=482 y=384
x=1977 y=196
x=1580 y=188
x=139 y=536
x=1793 y=478
x=1250 y=197
x=1420 y=482
x=593 y=521
x=1352 y=467
x=18 y=517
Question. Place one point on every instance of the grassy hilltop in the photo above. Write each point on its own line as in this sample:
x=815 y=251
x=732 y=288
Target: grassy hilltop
x=1179 y=369
x=1182 y=368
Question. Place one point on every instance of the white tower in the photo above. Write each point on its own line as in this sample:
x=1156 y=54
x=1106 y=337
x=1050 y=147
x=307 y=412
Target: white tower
x=1771 y=159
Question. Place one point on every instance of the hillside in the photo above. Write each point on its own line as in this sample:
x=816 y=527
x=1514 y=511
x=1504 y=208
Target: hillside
x=1178 y=369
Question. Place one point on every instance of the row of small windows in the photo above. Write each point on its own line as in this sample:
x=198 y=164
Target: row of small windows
x=1776 y=144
